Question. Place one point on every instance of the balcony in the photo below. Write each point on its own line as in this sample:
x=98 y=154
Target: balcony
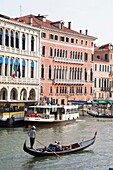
x=105 y=89
x=68 y=82
x=24 y=81
x=68 y=60
x=17 y=51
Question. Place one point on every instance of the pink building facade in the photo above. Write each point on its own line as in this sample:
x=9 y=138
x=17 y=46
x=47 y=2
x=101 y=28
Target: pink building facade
x=103 y=72
x=66 y=61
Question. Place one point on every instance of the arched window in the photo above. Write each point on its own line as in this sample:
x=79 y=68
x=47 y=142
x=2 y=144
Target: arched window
x=32 y=43
x=51 y=90
x=91 y=75
x=51 y=52
x=11 y=66
x=7 y=38
x=23 y=68
x=1 y=35
x=58 y=53
x=42 y=71
x=32 y=69
x=56 y=90
x=85 y=74
x=17 y=40
x=50 y=72
x=6 y=66
x=12 y=39
x=23 y=42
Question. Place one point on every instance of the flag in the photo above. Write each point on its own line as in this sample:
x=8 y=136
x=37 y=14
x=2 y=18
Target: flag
x=18 y=69
x=14 y=70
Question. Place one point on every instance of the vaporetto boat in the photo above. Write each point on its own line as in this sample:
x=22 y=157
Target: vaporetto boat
x=51 y=115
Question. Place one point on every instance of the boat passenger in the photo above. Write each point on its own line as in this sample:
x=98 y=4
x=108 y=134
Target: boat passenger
x=32 y=135
x=59 y=146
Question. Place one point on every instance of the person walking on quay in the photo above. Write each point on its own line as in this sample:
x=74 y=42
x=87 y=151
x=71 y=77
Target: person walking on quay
x=32 y=135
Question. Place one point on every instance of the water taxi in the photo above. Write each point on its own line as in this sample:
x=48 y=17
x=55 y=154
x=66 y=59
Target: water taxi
x=12 y=112
x=51 y=115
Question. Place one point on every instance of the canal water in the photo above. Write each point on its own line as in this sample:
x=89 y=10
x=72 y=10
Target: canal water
x=99 y=156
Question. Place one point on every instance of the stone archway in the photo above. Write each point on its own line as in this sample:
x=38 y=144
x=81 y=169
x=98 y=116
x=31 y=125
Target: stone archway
x=32 y=94
x=3 y=94
x=23 y=94
x=14 y=94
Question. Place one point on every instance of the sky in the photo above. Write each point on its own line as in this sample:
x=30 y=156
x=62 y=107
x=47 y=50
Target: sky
x=94 y=15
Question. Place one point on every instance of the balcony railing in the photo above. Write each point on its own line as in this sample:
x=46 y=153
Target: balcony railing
x=68 y=60
x=105 y=89
x=17 y=50
x=11 y=80
x=57 y=81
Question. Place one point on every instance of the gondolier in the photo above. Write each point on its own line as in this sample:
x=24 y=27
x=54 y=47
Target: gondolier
x=32 y=135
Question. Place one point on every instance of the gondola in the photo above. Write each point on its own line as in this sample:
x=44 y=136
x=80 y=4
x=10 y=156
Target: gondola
x=100 y=115
x=47 y=151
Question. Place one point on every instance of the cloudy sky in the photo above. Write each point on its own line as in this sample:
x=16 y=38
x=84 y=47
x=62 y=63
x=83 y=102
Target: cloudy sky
x=94 y=15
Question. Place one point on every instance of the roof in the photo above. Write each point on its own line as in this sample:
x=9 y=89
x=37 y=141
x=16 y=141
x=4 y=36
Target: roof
x=37 y=22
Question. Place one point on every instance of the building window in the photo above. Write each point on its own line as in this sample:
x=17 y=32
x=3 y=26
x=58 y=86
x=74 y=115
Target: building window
x=23 y=42
x=98 y=56
x=95 y=67
x=32 y=43
x=111 y=56
x=43 y=50
x=56 y=37
x=85 y=75
x=106 y=56
x=72 y=40
x=7 y=38
x=42 y=71
x=91 y=90
x=95 y=82
x=86 y=42
x=67 y=39
x=81 y=42
x=51 y=36
x=61 y=38
x=32 y=69
x=43 y=35
x=100 y=68
x=91 y=44
x=51 y=90
x=56 y=90
x=51 y=52
x=76 y=41
x=85 y=56
x=1 y=34
x=17 y=40
x=50 y=72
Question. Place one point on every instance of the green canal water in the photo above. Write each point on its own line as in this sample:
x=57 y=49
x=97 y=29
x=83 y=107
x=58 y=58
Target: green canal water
x=99 y=156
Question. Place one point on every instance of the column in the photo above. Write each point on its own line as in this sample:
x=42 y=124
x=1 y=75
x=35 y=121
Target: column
x=3 y=66
x=8 y=93
x=26 y=68
x=4 y=36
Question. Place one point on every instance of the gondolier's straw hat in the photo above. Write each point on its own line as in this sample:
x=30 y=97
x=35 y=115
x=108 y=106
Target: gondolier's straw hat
x=33 y=127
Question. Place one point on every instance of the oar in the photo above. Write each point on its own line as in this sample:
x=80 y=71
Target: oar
x=51 y=150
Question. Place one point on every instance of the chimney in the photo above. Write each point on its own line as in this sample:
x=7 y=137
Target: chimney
x=86 y=32
x=30 y=20
x=69 y=25
x=80 y=31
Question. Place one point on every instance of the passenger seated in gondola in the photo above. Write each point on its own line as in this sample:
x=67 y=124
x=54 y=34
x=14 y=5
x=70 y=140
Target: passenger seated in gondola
x=59 y=146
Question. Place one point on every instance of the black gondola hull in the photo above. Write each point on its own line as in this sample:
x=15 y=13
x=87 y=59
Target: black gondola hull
x=40 y=152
